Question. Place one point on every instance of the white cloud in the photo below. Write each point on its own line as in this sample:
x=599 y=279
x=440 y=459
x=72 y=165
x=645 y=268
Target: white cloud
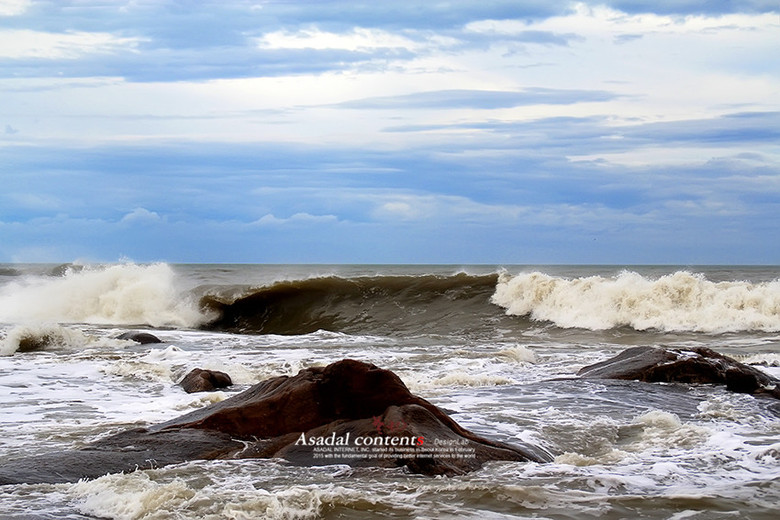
x=271 y=220
x=25 y=43
x=141 y=216
x=357 y=40
x=402 y=210
x=424 y=207
x=13 y=7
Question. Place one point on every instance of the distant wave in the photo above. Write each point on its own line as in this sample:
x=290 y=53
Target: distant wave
x=370 y=305
x=121 y=294
x=681 y=301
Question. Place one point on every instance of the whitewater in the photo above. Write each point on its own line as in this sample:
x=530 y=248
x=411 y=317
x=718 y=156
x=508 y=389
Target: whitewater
x=497 y=346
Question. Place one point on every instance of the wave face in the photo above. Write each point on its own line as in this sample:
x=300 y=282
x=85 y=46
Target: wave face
x=122 y=294
x=428 y=304
x=677 y=302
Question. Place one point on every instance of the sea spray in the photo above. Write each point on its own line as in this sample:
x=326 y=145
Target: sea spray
x=30 y=338
x=680 y=301
x=116 y=294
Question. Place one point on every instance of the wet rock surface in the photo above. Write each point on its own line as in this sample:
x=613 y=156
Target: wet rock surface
x=696 y=365
x=199 y=380
x=144 y=338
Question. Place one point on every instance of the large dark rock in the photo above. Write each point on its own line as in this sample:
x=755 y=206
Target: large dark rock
x=348 y=412
x=125 y=452
x=143 y=338
x=695 y=365
x=199 y=380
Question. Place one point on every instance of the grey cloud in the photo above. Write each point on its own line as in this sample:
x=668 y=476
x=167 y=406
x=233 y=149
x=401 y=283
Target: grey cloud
x=591 y=135
x=686 y=7
x=626 y=38
x=745 y=127
x=188 y=184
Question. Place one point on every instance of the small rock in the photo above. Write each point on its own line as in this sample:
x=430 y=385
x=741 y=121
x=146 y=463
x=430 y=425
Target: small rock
x=199 y=380
x=143 y=338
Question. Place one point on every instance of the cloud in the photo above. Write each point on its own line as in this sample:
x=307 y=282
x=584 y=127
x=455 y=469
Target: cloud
x=187 y=44
x=152 y=41
x=745 y=127
x=141 y=216
x=14 y=7
x=17 y=44
x=354 y=40
x=514 y=30
x=683 y=7
x=298 y=218
x=480 y=99
x=396 y=131
x=627 y=38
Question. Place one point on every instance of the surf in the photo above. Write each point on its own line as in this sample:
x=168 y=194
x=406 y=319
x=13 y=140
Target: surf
x=678 y=302
x=118 y=294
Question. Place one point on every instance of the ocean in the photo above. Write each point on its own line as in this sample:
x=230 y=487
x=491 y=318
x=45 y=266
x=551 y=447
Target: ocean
x=496 y=346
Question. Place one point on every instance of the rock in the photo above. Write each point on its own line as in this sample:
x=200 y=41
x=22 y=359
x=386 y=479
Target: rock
x=695 y=365
x=348 y=412
x=199 y=380
x=416 y=439
x=348 y=397
x=143 y=338
x=125 y=452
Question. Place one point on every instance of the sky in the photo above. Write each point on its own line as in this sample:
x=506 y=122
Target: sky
x=411 y=131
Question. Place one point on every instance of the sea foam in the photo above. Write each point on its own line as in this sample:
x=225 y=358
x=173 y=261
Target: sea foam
x=28 y=338
x=149 y=495
x=120 y=294
x=681 y=301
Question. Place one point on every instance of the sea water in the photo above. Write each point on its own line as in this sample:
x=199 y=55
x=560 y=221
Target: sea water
x=498 y=346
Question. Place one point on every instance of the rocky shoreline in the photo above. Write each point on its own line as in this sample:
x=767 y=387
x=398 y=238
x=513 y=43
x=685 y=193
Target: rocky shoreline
x=355 y=413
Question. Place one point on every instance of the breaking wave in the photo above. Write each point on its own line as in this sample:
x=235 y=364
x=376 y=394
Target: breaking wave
x=121 y=294
x=680 y=301
x=30 y=338
x=421 y=304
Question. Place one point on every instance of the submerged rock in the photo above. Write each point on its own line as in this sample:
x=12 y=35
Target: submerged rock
x=199 y=380
x=695 y=365
x=143 y=338
x=348 y=412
